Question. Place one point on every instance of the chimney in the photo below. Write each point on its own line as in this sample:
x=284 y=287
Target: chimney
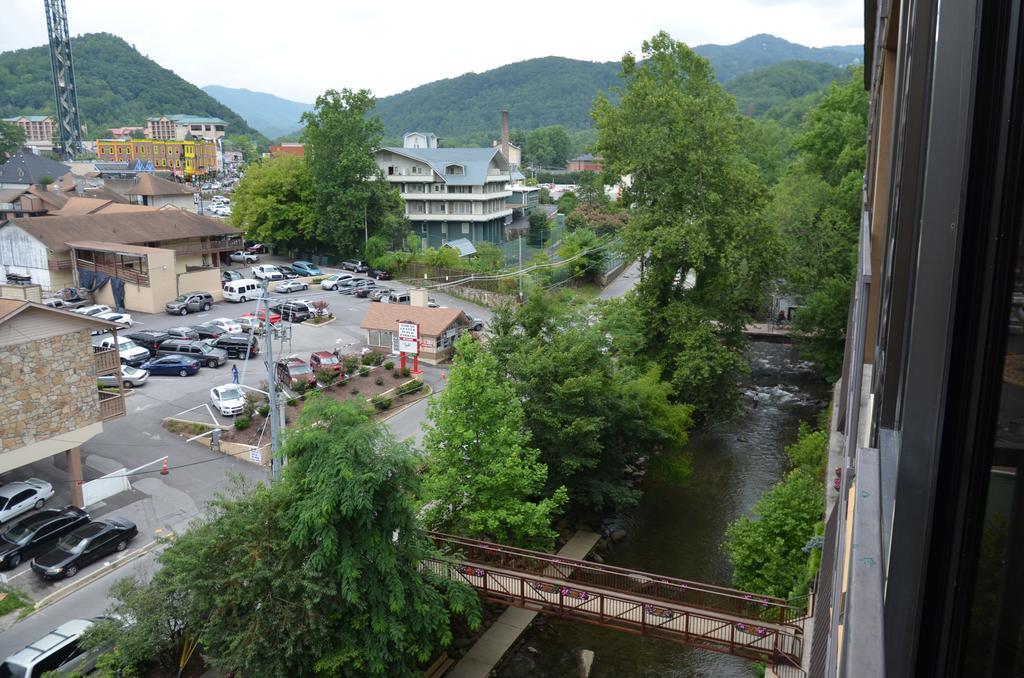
x=504 y=134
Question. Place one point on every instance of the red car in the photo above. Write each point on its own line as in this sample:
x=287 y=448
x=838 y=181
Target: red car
x=261 y=315
x=325 y=360
x=291 y=371
x=256 y=248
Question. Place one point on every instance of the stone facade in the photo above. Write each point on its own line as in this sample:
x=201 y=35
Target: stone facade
x=47 y=387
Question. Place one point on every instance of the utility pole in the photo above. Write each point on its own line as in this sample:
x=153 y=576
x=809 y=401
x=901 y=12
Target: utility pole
x=520 y=269
x=275 y=434
x=366 y=228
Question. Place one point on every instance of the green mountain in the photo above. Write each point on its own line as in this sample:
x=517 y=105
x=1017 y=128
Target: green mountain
x=117 y=86
x=759 y=91
x=270 y=114
x=760 y=51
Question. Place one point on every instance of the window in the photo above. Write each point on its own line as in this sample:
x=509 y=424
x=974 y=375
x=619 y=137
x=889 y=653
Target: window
x=455 y=170
x=465 y=228
x=416 y=169
x=437 y=188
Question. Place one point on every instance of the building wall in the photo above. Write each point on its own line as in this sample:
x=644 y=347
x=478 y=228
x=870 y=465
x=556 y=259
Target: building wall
x=182 y=202
x=437 y=233
x=41 y=402
x=207 y=280
x=37 y=132
x=21 y=253
x=181 y=157
x=148 y=299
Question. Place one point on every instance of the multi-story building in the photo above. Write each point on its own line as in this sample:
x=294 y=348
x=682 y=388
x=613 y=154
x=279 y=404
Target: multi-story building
x=588 y=162
x=288 y=149
x=39 y=130
x=185 y=158
x=924 y=548
x=126 y=132
x=451 y=193
x=181 y=127
x=49 y=400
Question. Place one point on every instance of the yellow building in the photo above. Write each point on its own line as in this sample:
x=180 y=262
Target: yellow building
x=188 y=157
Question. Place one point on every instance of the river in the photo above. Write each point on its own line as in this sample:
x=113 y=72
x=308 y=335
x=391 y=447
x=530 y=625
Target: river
x=678 y=530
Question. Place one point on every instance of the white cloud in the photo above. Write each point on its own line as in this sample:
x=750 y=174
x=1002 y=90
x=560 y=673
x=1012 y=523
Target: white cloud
x=297 y=50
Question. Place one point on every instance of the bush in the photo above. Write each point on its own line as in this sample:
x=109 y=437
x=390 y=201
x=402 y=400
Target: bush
x=389 y=365
x=379 y=381
x=376 y=358
x=350 y=363
x=367 y=358
x=326 y=376
x=252 y=401
x=242 y=422
x=364 y=371
x=264 y=411
x=317 y=280
x=292 y=402
x=810 y=451
x=406 y=372
x=354 y=391
x=381 y=403
x=411 y=387
x=301 y=387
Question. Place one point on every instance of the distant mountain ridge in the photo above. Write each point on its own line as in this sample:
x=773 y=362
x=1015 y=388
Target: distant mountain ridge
x=763 y=50
x=268 y=113
x=117 y=86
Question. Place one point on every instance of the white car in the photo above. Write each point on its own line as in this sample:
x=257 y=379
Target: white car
x=332 y=282
x=244 y=257
x=21 y=496
x=130 y=352
x=95 y=309
x=227 y=324
x=291 y=286
x=267 y=272
x=114 y=316
x=131 y=377
x=228 y=399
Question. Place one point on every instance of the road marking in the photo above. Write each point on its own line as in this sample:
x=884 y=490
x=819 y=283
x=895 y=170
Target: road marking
x=142 y=408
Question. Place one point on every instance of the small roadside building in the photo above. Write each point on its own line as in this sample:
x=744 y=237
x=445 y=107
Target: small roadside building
x=152 y=191
x=439 y=328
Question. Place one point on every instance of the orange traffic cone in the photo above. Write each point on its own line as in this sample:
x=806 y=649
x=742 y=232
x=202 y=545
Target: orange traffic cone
x=164 y=471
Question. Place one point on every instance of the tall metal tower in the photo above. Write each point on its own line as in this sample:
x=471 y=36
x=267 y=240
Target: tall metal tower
x=69 y=125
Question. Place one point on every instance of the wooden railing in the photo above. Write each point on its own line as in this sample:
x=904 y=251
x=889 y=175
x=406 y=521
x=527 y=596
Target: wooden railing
x=59 y=264
x=126 y=274
x=111 y=405
x=107 y=360
x=225 y=245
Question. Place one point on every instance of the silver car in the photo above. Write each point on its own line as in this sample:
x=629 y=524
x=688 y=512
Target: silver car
x=131 y=377
x=21 y=496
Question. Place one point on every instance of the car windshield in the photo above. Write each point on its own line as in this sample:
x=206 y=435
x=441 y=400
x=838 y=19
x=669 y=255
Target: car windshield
x=204 y=347
x=299 y=369
x=180 y=299
x=72 y=543
x=129 y=371
x=231 y=393
x=16 y=534
x=9 y=670
x=128 y=343
x=328 y=360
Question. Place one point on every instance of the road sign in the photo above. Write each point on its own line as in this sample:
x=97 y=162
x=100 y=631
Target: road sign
x=408 y=337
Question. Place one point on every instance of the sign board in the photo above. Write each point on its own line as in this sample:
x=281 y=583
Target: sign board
x=426 y=343
x=410 y=331
x=408 y=346
x=256 y=455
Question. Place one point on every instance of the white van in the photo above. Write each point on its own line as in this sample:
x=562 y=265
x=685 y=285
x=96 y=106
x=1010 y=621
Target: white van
x=130 y=352
x=57 y=651
x=396 y=298
x=244 y=290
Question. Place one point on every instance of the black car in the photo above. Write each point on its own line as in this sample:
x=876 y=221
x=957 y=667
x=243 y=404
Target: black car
x=203 y=351
x=379 y=274
x=289 y=272
x=229 y=276
x=238 y=346
x=37 y=533
x=182 y=333
x=291 y=311
x=83 y=546
x=355 y=265
x=208 y=331
x=149 y=339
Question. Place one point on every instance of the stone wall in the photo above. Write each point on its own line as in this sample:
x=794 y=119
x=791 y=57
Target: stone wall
x=47 y=387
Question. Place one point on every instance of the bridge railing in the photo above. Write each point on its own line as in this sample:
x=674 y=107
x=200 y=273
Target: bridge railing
x=668 y=589
x=771 y=642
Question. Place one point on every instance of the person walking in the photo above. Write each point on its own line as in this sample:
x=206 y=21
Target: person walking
x=234 y=373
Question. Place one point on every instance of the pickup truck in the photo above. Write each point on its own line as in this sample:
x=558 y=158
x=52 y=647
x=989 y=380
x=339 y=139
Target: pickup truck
x=66 y=305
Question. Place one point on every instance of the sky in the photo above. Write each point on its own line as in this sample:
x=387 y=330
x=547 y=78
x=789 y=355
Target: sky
x=297 y=50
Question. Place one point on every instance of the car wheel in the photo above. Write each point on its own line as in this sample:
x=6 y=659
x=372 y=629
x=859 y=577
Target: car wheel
x=127 y=384
x=305 y=287
x=14 y=560
x=183 y=311
x=39 y=503
x=183 y=373
x=121 y=545
x=211 y=362
x=241 y=300
x=71 y=571
x=206 y=306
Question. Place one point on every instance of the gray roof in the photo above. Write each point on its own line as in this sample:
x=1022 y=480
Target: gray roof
x=474 y=160
x=29 y=168
x=463 y=245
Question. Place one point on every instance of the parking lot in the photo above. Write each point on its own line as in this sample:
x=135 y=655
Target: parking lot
x=161 y=504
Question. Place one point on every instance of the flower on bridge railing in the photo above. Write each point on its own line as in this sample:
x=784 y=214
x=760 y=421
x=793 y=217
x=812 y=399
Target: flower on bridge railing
x=565 y=591
x=662 y=612
x=756 y=630
x=471 y=571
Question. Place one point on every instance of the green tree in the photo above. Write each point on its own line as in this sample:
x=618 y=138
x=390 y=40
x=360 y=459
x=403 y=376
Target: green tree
x=352 y=197
x=707 y=256
x=767 y=552
x=548 y=146
x=12 y=137
x=375 y=250
x=241 y=142
x=274 y=203
x=537 y=235
x=590 y=250
x=482 y=477
x=816 y=205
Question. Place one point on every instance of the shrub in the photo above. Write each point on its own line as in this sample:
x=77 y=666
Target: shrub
x=264 y=411
x=376 y=358
x=379 y=381
x=326 y=376
x=389 y=365
x=406 y=372
x=366 y=359
x=252 y=401
x=354 y=391
x=242 y=422
x=410 y=387
x=350 y=363
x=381 y=403
x=292 y=402
x=301 y=387
x=364 y=371
x=317 y=280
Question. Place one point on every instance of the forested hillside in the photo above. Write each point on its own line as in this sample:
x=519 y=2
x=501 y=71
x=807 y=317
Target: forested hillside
x=268 y=113
x=760 y=91
x=116 y=86
x=760 y=51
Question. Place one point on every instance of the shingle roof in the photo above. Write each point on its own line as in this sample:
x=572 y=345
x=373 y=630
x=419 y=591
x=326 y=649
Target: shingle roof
x=29 y=168
x=30 y=118
x=12 y=307
x=150 y=185
x=80 y=206
x=432 y=321
x=464 y=247
x=137 y=226
x=474 y=160
x=189 y=119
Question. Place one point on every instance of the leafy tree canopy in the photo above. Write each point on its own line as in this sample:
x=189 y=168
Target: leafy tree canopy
x=12 y=137
x=547 y=147
x=274 y=202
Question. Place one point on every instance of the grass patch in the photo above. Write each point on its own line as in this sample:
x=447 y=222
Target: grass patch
x=11 y=599
x=189 y=428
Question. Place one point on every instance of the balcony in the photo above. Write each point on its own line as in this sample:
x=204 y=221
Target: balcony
x=111 y=405
x=59 y=264
x=225 y=245
x=107 y=360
